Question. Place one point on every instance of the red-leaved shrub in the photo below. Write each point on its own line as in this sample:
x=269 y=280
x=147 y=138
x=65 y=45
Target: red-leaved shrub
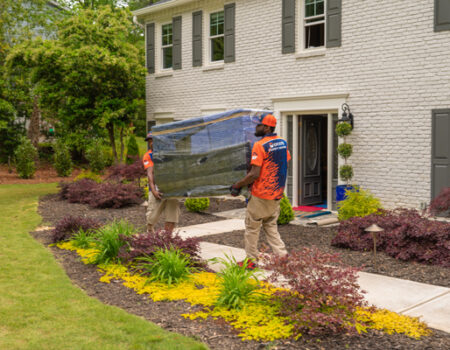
x=323 y=294
x=147 y=243
x=407 y=236
x=115 y=195
x=81 y=191
x=441 y=204
x=69 y=225
x=125 y=172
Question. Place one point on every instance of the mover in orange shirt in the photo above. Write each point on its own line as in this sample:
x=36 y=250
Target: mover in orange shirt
x=156 y=203
x=267 y=175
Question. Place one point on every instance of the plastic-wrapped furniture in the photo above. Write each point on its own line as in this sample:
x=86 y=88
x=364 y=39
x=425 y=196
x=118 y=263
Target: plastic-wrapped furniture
x=204 y=156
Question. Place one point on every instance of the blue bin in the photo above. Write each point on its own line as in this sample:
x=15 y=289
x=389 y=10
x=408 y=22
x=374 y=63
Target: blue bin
x=340 y=191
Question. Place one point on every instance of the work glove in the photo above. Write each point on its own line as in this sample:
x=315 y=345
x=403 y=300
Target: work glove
x=234 y=190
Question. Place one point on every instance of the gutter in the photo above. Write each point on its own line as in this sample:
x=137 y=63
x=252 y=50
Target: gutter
x=159 y=7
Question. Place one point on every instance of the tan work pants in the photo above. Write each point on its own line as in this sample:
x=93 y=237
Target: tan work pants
x=169 y=206
x=262 y=212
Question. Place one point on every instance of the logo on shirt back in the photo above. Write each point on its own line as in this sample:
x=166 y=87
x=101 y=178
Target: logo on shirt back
x=254 y=156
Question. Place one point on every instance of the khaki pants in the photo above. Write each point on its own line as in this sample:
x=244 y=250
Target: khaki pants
x=262 y=212
x=169 y=206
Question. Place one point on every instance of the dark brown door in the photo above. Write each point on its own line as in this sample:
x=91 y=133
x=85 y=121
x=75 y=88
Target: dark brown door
x=311 y=178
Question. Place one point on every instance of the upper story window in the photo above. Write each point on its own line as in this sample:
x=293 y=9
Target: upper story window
x=216 y=36
x=313 y=24
x=167 y=45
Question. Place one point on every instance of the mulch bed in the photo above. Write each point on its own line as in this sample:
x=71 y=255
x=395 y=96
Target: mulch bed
x=217 y=334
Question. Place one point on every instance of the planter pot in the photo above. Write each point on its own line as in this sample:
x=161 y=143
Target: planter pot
x=340 y=191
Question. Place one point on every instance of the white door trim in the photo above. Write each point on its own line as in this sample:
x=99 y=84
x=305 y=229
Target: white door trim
x=328 y=104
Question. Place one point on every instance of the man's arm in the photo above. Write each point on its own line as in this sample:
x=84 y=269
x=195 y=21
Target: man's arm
x=151 y=182
x=252 y=175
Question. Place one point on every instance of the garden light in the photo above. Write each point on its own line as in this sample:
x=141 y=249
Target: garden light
x=373 y=229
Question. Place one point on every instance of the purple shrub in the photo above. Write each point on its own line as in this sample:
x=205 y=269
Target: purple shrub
x=441 y=204
x=80 y=191
x=69 y=225
x=323 y=294
x=407 y=236
x=124 y=172
x=115 y=195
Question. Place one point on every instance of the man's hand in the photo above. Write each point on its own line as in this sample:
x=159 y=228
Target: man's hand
x=157 y=194
x=234 y=190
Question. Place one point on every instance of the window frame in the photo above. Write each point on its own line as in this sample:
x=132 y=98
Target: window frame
x=210 y=37
x=302 y=27
x=166 y=46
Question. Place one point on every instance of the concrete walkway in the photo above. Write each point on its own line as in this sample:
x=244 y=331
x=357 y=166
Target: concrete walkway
x=430 y=303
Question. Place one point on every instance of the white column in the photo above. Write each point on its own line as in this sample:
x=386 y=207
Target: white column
x=330 y=161
x=295 y=160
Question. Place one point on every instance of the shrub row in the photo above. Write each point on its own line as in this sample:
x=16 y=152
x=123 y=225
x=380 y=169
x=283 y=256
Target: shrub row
x=407 y=236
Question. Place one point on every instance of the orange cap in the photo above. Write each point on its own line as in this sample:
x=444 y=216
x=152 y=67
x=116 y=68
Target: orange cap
x=269 y=120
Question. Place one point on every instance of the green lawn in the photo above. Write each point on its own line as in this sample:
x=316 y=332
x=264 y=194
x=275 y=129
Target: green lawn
x=41 y=309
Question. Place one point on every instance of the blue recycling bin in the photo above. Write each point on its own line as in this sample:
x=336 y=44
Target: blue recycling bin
x=340 y=191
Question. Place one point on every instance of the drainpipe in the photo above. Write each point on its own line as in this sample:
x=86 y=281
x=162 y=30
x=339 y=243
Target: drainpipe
x=135 y=21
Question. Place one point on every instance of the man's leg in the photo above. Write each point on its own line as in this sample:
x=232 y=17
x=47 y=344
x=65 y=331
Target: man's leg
x=271 y=228
x=252 y=228
x=172 y=214
x=154 y=210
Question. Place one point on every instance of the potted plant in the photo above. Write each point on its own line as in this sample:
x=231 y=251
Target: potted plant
x=344 y=150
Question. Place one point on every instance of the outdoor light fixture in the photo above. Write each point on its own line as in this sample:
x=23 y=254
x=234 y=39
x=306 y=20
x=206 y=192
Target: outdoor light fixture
x=347 y=116
x=373 y=229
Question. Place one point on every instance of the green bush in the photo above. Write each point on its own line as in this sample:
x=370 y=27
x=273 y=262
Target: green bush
x=132 y=150
x=196 y=204
x=343 y=129
x=62 y=160
x=237 y=283
x=96 y=157
x=345 y=150
x=83 y=239
x=46 y=151
x=346 y=172
x=358 y=203
x=167 y=266
x=286 y=211
x=87 y=174
x=25 y=155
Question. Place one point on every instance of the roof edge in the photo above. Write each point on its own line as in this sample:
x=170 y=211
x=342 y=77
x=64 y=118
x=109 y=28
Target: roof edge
x=159 y=7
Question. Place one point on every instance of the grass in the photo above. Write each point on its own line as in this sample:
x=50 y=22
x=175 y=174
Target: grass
x=39 y=306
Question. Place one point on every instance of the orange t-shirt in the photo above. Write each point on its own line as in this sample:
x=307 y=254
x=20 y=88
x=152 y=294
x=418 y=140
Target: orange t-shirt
x=272 y=155
x=148 y=159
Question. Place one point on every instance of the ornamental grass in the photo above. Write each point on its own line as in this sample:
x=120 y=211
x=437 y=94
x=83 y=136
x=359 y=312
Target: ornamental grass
x=258 y=319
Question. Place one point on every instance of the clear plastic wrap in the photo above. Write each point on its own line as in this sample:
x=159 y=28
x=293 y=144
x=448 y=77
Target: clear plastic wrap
x=204 y=156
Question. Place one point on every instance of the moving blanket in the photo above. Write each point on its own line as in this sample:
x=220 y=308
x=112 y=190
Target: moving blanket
x=204 y=156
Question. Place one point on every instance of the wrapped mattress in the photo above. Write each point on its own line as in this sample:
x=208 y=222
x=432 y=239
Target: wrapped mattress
x=204 y=156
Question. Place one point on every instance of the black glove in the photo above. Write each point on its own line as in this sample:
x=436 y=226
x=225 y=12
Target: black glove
x=235 y=191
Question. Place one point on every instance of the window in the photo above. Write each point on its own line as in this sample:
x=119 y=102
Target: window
x=167 y=45
x=314 y=24
x=216 y=36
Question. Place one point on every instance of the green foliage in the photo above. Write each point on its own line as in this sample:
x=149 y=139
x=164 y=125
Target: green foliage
x=62 y=159
x=345 y=150
x=87 y=174
x=25 y=155
x=343 y=129
x=91 y=77
x=132 y=150
x=238 y=284
x=196 y=204
x=46 y=151
x=96 y=156
x=108 y=240
x=358 y=203
x=83 y=239
x=346 y=172
x=286 y=212
x=167 y=266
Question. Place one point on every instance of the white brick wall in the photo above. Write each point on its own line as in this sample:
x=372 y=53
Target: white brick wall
x=392 y=64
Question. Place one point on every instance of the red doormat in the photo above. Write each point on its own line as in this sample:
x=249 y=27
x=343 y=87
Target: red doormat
x=307 y=208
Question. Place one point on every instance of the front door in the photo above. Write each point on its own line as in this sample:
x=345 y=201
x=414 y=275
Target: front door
x=311 y=177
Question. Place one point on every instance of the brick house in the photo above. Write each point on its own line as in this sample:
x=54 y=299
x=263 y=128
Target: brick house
x=303 y=59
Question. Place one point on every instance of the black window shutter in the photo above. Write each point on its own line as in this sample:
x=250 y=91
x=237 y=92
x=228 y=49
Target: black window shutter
x=197 y=52
x=150 y=37
x=334 y=9
x=441 y=15
x=229 y=53
x=176 y=37
x=440 y=148
x=288 y=26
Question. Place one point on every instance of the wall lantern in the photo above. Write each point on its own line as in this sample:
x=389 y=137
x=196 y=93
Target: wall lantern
x=347 y=116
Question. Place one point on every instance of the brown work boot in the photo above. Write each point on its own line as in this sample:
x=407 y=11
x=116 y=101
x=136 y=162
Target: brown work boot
x=150 y=228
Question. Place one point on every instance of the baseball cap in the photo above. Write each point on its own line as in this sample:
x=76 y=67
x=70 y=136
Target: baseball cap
x=269 y=120
x=149 y=136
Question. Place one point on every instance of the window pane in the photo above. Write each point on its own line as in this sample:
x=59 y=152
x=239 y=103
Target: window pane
x=167 y=57
x=314 y=36
x=217 y=49
x=216 y=23
x=167 y=34
x=314 y=7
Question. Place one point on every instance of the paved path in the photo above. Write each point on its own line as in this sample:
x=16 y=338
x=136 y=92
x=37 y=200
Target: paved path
x=430 y=303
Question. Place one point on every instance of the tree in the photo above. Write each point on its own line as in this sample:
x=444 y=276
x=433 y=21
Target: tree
x=91 y=77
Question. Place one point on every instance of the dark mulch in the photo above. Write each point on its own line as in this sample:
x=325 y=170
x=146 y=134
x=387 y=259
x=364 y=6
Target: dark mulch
x=296 y=237
x=216 y=334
